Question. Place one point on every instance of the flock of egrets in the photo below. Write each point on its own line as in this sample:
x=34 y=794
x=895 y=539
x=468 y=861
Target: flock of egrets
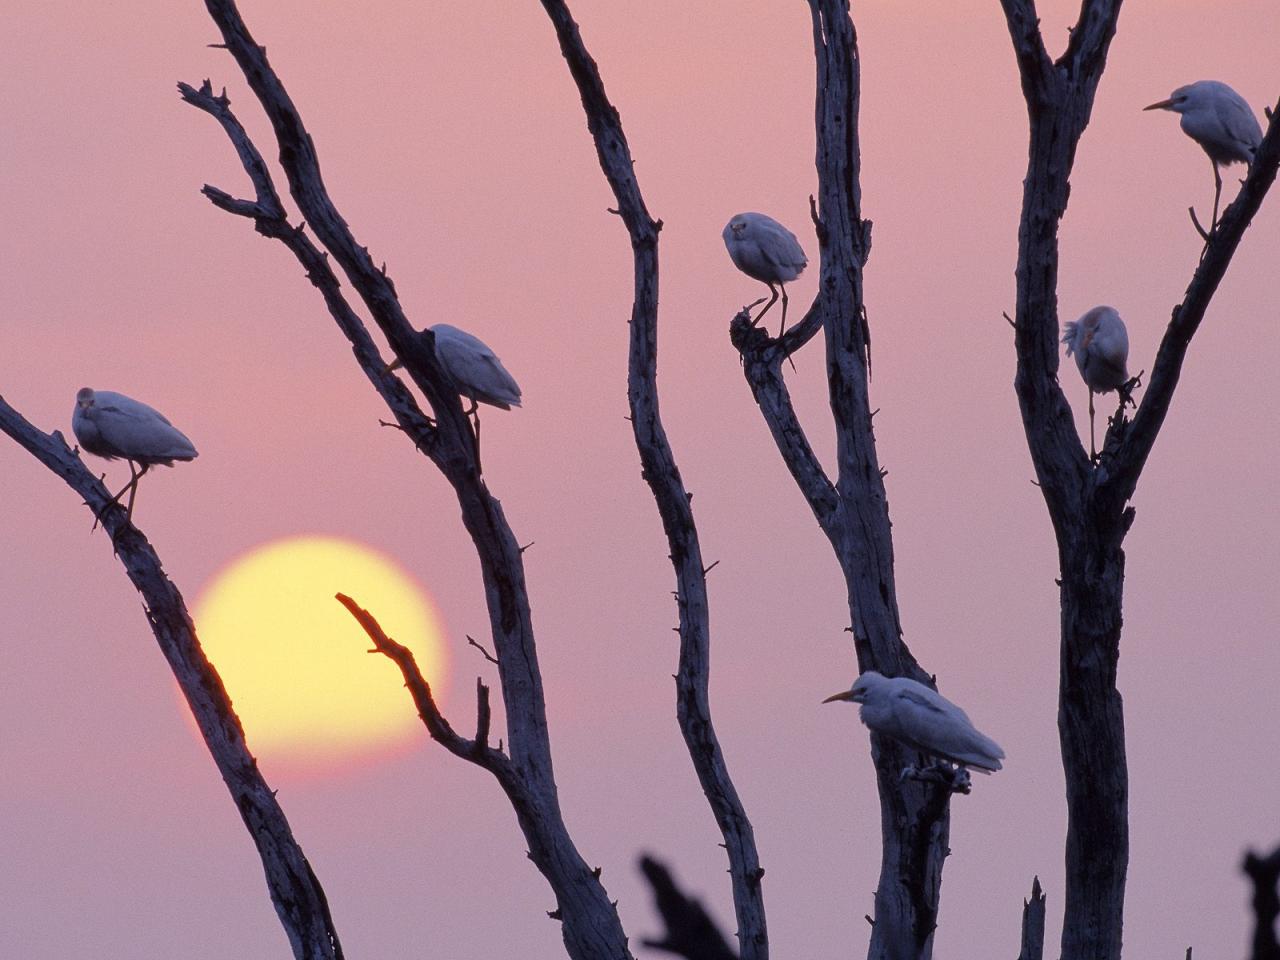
x=114 y=426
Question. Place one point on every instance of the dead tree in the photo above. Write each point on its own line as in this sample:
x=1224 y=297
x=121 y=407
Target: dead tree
x=1087 y=501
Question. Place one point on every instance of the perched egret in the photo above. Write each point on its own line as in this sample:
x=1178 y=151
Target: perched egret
x=1219 y=119
x=923 y=719
x=1100 y=344
x=113 y=426
x=473 y=367
x=765 y=250
x=475 y=370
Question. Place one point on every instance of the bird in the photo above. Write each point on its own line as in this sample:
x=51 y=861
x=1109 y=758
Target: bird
x=474 y=369
x=113 y=426
x=1100 y=344
x=1221 y=121
x=765 y=250
x=923 y=719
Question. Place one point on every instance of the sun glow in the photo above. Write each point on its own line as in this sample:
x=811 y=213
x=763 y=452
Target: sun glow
x=296 y=663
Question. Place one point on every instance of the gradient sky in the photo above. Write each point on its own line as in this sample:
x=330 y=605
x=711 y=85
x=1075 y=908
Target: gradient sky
x=452 y=140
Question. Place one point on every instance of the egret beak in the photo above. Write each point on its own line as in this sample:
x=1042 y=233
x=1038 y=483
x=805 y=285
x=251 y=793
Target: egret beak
x=845 y=695
x=1162 y=105
x=395 y=364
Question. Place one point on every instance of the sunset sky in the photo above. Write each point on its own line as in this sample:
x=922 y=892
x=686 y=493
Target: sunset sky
x=453 y=142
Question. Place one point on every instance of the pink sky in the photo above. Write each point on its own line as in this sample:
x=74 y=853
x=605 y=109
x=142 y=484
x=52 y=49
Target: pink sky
x=452 y=141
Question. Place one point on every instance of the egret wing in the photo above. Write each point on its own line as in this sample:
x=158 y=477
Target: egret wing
x=138 y=431
x=932 y=723
x=475 y=368
x=1237 y=118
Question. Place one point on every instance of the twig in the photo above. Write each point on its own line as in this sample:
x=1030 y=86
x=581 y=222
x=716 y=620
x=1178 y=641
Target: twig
x=487 y=655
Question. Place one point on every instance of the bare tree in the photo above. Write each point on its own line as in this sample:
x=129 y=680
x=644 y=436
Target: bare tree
x=1087 y=502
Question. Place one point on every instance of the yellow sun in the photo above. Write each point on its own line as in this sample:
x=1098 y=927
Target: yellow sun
x=296 y=663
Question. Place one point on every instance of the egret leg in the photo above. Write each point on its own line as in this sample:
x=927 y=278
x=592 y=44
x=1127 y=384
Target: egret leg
x=129 y=488
x=1217 y=196
x=772 y=300
x=133 y=492
x=783 y=328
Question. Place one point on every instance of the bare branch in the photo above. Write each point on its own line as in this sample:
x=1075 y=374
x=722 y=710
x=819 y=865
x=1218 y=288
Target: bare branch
x=1140 y=437
x=420 y=690
x=269 y=216
x=1034 y=65
x=1264 y=872
x=296 y=892
x=690 y=933
x=658 y=467
x=1033 y=924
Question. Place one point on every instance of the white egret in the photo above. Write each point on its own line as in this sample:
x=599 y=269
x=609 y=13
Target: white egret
x=1100 y=344
x=475 y=370
x=113 y=426
x=765 y=250
x=923 y=719
x=1221 y=121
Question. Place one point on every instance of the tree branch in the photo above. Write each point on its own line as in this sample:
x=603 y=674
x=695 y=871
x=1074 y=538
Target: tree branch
x=1139 y=437
x=658 y=467
x=1264 y=872
x=269 y=219
x=1033 y=924
x=690 y=933
x=1034 y=65
x=477 y=751
x=296 y=892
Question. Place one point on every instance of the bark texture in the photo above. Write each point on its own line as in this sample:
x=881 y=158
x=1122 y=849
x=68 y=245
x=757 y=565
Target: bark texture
x=658 y=467
x=295 y=891
x=590 y=924
x=1088 y=502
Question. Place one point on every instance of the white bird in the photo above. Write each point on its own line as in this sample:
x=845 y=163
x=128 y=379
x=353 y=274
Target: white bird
x=923 y=719
x=113 y=426
x=1100 y=344
x=473 y=367
x=1219 y=119
x=475 y=370
x=765 y=250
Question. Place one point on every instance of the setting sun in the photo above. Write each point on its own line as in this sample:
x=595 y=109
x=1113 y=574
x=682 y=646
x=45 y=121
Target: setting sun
x=295 y=662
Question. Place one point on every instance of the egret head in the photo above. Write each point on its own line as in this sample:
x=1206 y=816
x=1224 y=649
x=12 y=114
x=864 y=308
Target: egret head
x=862 y=688
x=1180 y=101
x=84 y=398
x=738 y=226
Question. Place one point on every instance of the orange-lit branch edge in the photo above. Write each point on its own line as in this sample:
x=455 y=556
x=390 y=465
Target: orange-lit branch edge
x=1088 y=502
x=296 y=892
x=659 y=470
x=853 y=510
x=589 y=920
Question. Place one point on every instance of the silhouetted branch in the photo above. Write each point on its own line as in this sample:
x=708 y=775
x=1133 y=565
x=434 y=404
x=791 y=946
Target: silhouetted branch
x=590 y=923
x=476 y=750
x=690 y=933
x=1139 y=437
x=268 y=215
x=1033 y=924
x=658 y=467
x=1264 y=872
x=298 y=897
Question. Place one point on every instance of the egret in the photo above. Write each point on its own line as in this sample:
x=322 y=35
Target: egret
x=923 y=719
x=765 y=250
x=1100 y=344
x=474 y=368
x=1219 y=119
x=113 y=426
